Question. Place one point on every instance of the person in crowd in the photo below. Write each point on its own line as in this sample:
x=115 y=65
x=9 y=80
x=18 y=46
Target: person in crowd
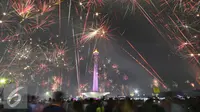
x=100 y=107
x=176 y=105
x=110 y=105
x=1 y=107
x=50 y=100
x=92 y=106
x=68 y=105
x=56 y=105
x=78 y=106
x=85 y=104
x=147 y=106
x=151 y=106
x=166 y=104
x=32 y=103
x=117 y=106
x=127 y=106
x=39 y=107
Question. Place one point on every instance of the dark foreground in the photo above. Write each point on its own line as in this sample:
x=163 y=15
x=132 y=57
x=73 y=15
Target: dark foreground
x=112 y=105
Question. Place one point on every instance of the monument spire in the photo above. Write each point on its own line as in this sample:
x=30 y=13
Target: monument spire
x=95 y=87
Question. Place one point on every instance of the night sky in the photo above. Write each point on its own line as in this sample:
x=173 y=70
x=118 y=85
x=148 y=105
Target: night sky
x=155 y=49
x=138 y=31
x=159 y=54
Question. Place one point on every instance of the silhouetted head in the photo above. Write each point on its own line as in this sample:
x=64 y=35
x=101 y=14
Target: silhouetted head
x=91 y=100
x=78 y=106
x=58 y=96
x=33 y=99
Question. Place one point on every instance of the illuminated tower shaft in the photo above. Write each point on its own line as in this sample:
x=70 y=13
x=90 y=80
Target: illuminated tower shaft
x=95 y=72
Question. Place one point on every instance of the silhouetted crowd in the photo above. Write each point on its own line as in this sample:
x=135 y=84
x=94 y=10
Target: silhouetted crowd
x=59 y=104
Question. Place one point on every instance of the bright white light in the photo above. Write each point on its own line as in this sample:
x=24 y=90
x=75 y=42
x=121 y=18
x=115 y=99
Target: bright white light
x=198 y=15
x=192 y=84
x=92 y=34
x=3 y=81
x=103 y=32
x=4 y=13
x=80 y=3
x=47 y=93
x=191 y=55
x=198 y=54
x=96 y=13
x=1 y=21
x=136 y=91
x=185 y=26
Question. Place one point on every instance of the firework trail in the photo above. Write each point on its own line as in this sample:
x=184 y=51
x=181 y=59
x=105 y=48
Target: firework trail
x=21 y=21
x=144 y=60
x=76 y=57
x=69 y=13
x=145 y=68
x=177 y=21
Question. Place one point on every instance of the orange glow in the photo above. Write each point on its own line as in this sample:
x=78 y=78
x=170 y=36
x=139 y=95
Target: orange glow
x=95 y=51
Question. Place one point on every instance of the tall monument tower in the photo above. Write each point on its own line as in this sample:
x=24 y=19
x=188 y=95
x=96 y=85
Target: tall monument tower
x=95 y=87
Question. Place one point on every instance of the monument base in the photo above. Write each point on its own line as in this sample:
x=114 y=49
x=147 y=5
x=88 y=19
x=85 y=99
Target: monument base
x=95 y=94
